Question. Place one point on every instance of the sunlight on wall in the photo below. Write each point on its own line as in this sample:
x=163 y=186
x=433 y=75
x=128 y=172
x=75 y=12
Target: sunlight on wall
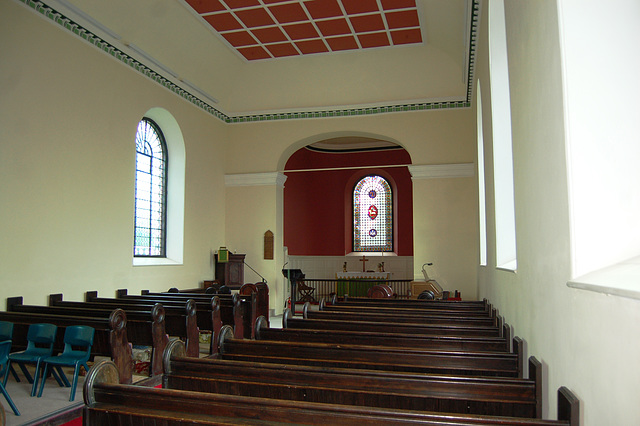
x=482 y=209
x=502 y=149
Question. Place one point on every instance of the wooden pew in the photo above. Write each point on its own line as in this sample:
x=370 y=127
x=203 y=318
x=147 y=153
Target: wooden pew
x=107 y=402
x=409 y=310
x=454 y=394
x=248 y=308
x=260 y=289
x=400 y=315
x=210 y=315
x=180 y=322
x=410 y=303
x=370 y=357
x=110 y=338
x=446 y=343
x=237 y=311
x=417 y=327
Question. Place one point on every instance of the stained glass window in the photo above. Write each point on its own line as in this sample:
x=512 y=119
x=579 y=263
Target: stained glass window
x=372 y=215
x=151 y=183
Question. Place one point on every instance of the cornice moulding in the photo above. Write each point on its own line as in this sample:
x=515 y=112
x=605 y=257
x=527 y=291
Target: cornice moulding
x=255 y=179
x=436 y=171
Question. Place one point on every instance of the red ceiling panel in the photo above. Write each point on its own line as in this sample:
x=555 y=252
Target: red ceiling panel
x=291 y=12
x=239 y=38
x=367 y=23
x=254 y=17
x=205 y=6
x=301 y=31
x=333 y=27
x=223 y=22
x=353 y=7
x=398 y=4
x=235 y=4
x=308 y=47
x=373 y=40
x=342 y=43
x=253 y=53
x=282 y=50
x=403 y=19
x=323 y=8
x=263 y=29
x=269 y=35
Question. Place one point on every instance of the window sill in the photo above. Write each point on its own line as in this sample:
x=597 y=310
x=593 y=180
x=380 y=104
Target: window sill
x=620 y=280
x=511 y=266
x=154 y=261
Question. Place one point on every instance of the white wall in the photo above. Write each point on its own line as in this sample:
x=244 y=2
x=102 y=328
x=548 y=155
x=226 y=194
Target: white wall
x=585 y=340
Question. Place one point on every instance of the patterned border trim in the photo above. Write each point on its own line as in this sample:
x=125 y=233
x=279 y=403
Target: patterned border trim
x=40 y=7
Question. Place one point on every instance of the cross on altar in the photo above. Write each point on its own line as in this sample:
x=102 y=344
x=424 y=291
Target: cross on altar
x=363 y=260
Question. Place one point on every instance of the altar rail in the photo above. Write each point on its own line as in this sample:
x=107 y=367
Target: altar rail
x=313 y=290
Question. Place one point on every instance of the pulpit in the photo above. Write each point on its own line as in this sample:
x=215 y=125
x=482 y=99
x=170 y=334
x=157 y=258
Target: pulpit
x=231 y=272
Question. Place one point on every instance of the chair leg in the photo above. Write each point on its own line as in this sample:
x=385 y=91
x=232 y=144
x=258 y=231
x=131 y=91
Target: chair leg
x=76 y=373
x=13 y=373
x=36 y=377
x=9 y=400
x=57 y=377
x=25 y=372
x=63 y=376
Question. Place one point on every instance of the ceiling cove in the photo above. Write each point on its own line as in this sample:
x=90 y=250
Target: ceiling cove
x=400 y=28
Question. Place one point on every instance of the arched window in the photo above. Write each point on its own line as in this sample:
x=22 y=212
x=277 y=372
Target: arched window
x=151 y=191
x=372 y=215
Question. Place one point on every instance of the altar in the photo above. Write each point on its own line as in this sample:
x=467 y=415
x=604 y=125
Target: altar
x=364 y=275
x=357 y=284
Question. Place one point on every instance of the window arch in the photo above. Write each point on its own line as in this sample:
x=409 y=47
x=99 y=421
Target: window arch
x=372 y=215
x=150 y=228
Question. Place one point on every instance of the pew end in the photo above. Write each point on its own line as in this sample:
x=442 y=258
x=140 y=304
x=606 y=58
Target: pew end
x=104 y=371
x=568 y=406
x=261 y=323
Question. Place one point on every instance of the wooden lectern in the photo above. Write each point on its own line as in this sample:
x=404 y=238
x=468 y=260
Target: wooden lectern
x=231 y=273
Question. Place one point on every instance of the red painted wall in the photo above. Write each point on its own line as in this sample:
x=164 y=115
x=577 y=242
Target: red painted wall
x=317 y=204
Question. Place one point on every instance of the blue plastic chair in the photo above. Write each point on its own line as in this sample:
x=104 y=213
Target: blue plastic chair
x=6 y=333
x=5 y=348
x=78 y=340
x=40 y=339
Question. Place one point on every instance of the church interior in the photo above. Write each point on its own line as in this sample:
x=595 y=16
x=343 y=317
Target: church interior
x=512 y=160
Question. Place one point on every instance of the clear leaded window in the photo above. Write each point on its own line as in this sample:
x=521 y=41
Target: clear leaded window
x=151 y=191
x=372 y=215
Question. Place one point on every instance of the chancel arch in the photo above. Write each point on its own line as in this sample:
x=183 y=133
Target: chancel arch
x=318 y=203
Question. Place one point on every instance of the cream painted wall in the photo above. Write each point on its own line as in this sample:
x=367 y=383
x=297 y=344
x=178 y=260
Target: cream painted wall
x=68 y=114
x=252 y=211
x=445 y=215
x=585 y=340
